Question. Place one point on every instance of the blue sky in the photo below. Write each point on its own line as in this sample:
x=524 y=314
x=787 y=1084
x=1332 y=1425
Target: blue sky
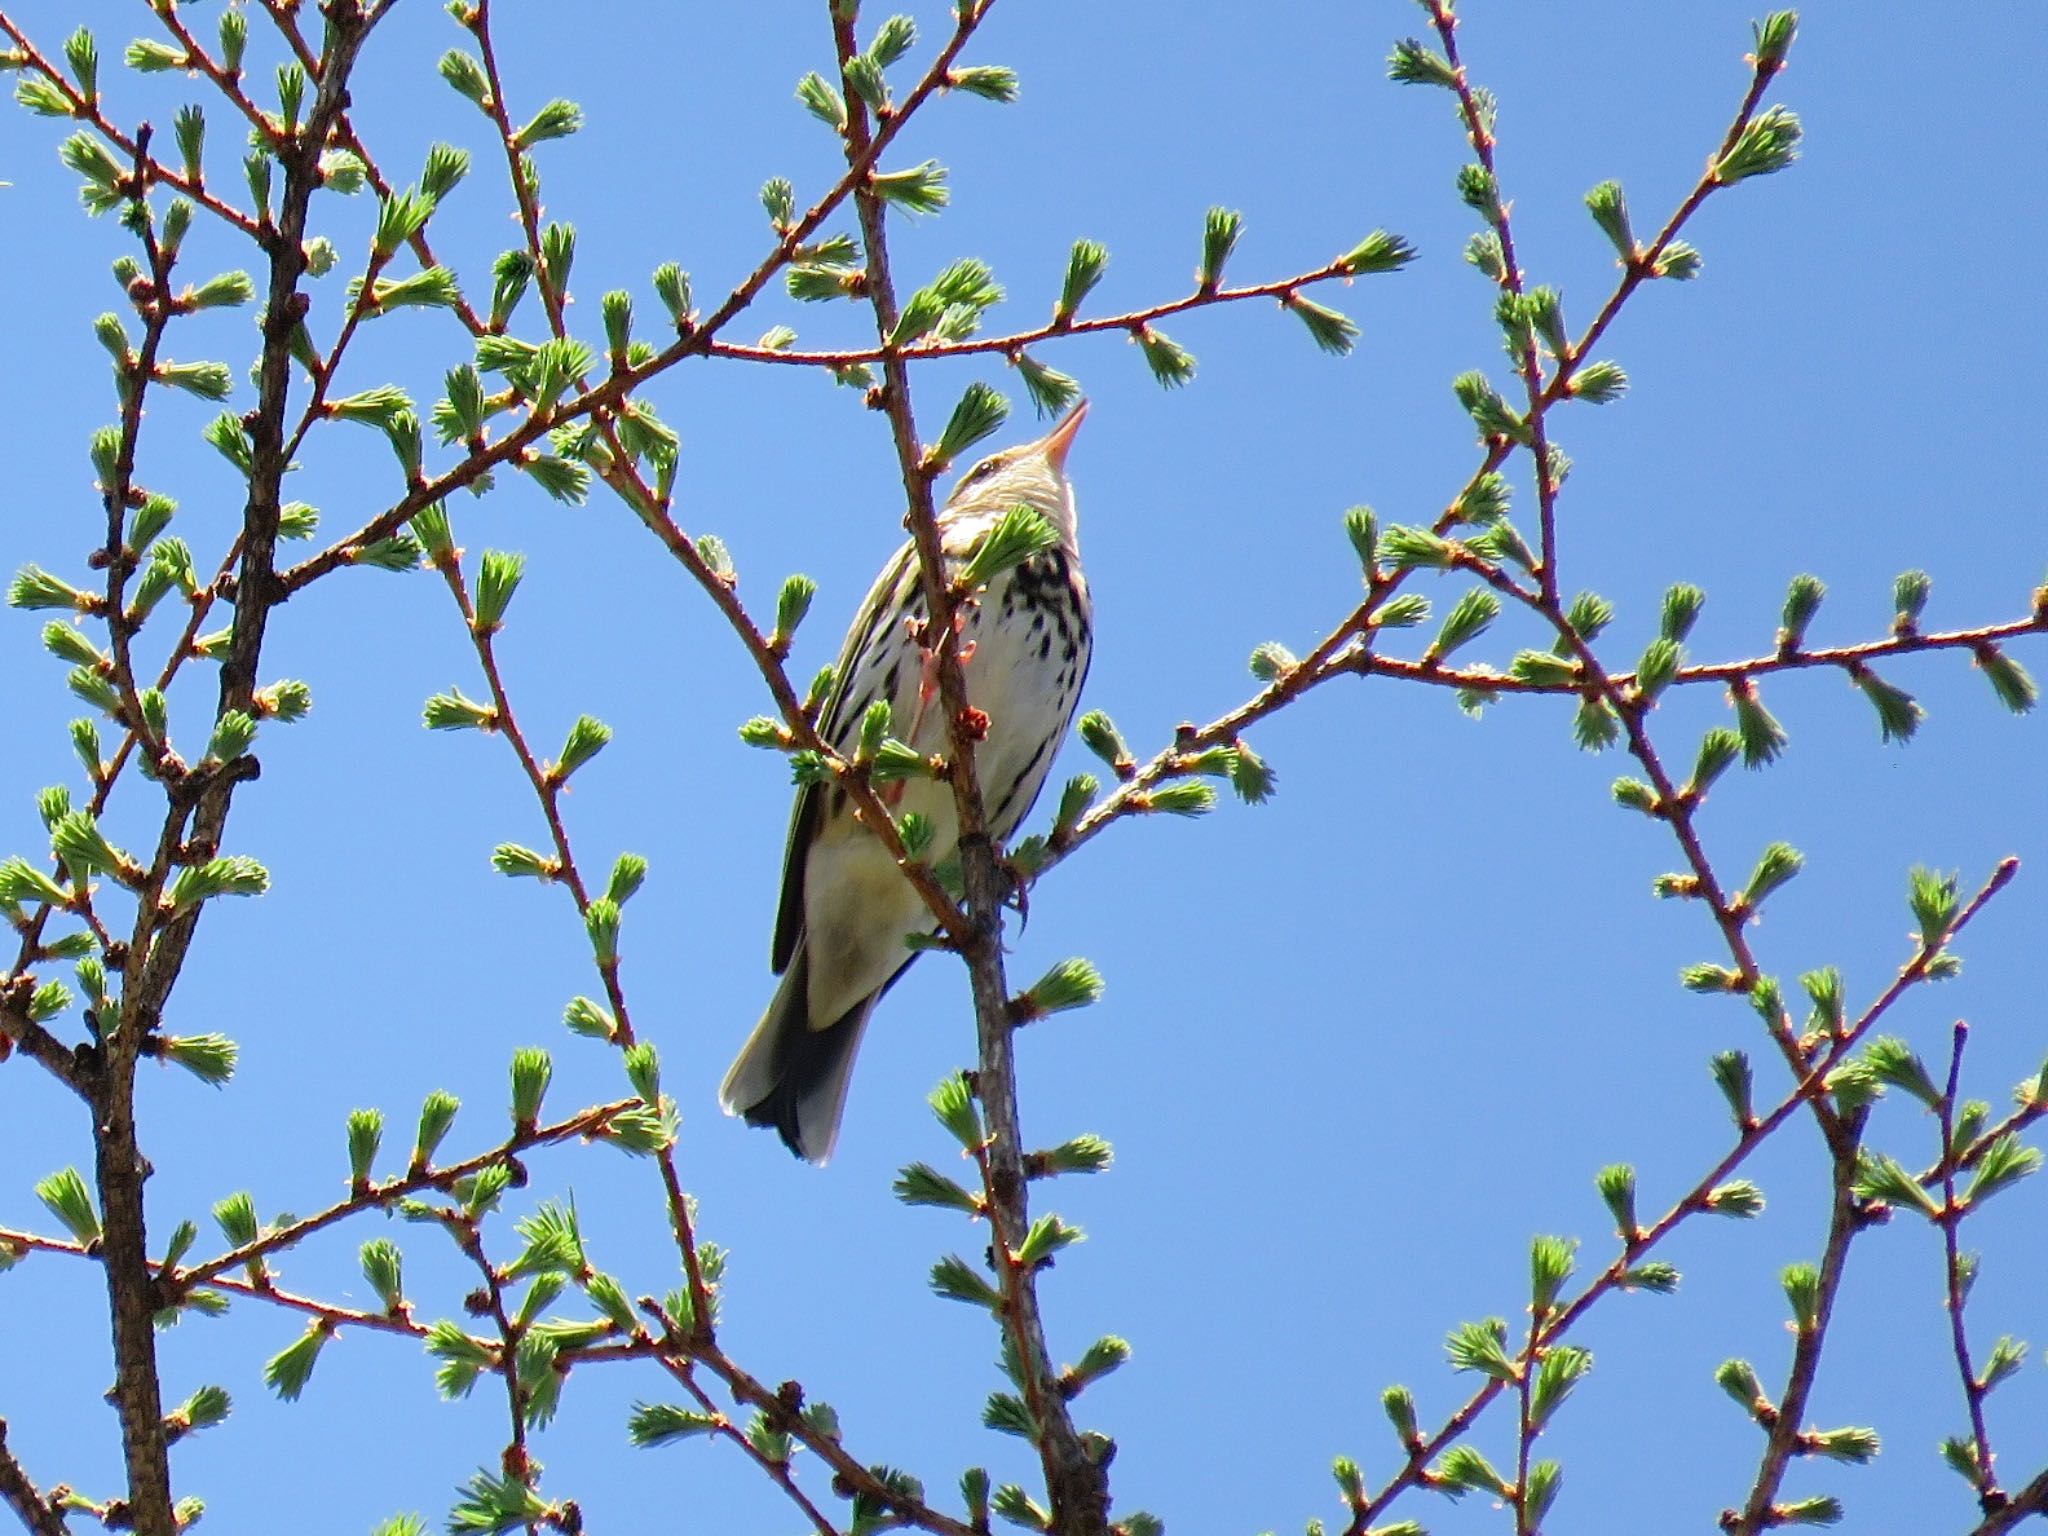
x=1358 y=1045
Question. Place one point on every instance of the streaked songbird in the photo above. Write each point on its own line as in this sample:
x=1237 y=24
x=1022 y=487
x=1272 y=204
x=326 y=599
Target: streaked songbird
x=846 y=908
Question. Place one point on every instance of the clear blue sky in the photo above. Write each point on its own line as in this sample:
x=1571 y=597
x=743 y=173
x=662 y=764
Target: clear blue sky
x=1357 y=1045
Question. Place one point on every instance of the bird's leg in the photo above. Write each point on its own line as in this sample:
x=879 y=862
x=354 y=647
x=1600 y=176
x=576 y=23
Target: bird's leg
x=927 y=689
x=928 y=671
x=1017 y=889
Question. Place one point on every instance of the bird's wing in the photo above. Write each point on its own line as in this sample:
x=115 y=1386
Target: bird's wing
x=870 y=618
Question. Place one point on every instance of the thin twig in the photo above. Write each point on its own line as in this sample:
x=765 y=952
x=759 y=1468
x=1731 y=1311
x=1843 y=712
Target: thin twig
x=1481 y=679
x=1528 y=364
x=1634 y=272
x=1693 y=1203
x=1969 y=1157
x=1316 y=668
x=547 y=789
x=1955 y=1283
x=1009 y=345
x=1525 y=1425
x=695 y=337
x=127 y=144
x=777 y=1469
x=749 y=1390
x=585 y=1123
x=516 y=1462
x=15 y=1023
x=229 y=85
x=1785 y=1436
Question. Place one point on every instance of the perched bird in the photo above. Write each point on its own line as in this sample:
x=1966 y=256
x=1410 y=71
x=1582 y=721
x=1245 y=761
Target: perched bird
x=839 y=932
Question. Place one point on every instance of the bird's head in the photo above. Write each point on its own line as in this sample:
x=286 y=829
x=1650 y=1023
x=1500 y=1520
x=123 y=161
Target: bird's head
x=1032 y=473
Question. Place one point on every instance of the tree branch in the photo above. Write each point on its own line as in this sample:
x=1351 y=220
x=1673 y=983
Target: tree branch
x=1694 y=1202
x=38 y=1515
x=156 y=954
x=128 y=144
x=1528 y=364
x=1956 y=1279
x=1075 y=1480
x=2029 y=1501
x=1786 y=1432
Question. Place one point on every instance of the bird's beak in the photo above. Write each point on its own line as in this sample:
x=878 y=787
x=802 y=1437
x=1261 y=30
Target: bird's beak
x=1061 y=438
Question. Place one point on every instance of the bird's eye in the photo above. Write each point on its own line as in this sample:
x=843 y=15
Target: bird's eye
x=981 y=471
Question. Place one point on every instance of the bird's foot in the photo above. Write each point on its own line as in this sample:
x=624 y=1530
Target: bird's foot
x=1016 y=890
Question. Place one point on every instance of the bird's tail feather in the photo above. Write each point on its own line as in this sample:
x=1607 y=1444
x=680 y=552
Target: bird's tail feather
x=793 y=1077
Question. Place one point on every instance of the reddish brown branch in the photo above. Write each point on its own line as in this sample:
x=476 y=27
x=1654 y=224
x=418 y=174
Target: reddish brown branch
x=1528 y=364
x=1810 y=1088
x=586 y=1123
x=1130 y=321
x=129 y=145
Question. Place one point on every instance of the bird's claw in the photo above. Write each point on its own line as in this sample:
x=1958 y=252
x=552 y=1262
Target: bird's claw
x=1016 y=891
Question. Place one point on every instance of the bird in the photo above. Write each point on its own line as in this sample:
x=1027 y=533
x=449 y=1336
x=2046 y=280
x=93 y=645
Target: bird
x=846 y=909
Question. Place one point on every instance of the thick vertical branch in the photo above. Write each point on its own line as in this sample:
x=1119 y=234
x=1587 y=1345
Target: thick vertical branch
x=1075 y=1481
x=198 y=816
